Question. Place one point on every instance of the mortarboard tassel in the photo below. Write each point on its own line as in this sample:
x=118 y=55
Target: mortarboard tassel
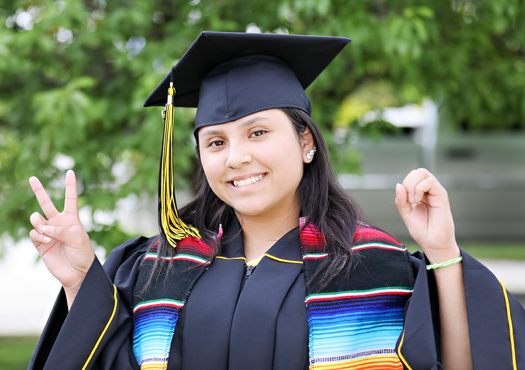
x=172 y=227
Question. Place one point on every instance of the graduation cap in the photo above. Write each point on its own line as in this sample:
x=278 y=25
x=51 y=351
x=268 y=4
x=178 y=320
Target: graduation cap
x=227 y=76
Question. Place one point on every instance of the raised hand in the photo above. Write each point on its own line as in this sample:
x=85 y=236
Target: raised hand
x=425 y=209
x=60 y=239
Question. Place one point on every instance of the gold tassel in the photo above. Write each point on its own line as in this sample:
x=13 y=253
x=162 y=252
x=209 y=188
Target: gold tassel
x=172 y=226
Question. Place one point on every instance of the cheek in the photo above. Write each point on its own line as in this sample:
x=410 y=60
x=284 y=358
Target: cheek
x=294 y=157
x=288 y=162
x=214 y=173
x=212 y=168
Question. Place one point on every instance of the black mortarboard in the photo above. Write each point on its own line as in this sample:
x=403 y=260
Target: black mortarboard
x=228 y=76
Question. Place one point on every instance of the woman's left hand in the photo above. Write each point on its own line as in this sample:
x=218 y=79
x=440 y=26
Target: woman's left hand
x=425 y=209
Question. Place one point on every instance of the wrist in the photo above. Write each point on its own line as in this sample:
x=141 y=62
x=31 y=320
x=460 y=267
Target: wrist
x=71 y=292
x=450 y=262
x=443 y=255
x=72 y=288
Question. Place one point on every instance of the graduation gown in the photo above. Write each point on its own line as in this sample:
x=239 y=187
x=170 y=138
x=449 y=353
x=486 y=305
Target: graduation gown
x=217 y=323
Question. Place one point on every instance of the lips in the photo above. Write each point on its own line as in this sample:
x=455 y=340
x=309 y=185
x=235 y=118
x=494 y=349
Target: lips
x=248 y=181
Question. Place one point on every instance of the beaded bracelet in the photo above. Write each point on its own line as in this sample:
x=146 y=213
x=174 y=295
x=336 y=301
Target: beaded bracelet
x=444 y=264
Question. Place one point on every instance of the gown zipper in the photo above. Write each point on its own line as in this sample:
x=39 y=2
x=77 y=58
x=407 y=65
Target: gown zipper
x=249 y=271
x=247 y=274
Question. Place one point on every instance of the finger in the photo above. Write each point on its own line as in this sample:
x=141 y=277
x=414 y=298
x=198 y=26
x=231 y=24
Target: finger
x=431 y=192
x=37 y=221
x=63 y=235
x=423 y=187
x=38 y=238
x=412 y=180
x=403 y=205
x=71 y=201
x=45 y=202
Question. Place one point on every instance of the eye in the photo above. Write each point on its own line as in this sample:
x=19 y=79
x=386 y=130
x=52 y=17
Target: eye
x=257 y=133
x=215 y=143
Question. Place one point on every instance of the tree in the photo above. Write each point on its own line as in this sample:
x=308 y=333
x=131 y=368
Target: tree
x=76 y=73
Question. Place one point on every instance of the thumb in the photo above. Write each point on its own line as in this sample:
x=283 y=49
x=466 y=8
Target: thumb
x=402 y=203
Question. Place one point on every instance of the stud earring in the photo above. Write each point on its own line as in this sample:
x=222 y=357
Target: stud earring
x=311 y=153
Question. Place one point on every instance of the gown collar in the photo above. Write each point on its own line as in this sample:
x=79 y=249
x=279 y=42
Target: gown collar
x=234 y=245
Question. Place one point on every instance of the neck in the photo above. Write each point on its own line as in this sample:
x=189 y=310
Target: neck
x=261 y=234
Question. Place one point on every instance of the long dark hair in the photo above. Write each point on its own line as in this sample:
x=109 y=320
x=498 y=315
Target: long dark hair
x=322 y=201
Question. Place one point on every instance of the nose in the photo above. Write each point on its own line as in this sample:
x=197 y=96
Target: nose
x=238 y=155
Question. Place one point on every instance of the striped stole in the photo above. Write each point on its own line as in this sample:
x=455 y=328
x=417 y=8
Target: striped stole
x=354 y=322
x=157 y=310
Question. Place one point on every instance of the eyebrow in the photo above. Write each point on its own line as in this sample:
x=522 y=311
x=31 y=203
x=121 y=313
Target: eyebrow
x=212 y=130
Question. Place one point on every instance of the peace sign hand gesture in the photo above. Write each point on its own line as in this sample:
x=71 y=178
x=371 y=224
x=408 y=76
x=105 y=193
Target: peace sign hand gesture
x=61 y=241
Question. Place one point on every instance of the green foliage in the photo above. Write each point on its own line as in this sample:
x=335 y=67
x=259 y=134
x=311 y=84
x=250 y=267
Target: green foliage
x=15 y=352
x=75 y=74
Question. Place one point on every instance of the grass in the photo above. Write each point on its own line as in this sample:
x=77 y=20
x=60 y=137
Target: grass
x=15 y=352
x=486 y=250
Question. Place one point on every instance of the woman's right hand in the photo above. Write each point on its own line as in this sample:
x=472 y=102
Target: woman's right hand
x=60 y=239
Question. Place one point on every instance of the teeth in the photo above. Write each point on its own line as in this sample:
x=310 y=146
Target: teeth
x=249 y=181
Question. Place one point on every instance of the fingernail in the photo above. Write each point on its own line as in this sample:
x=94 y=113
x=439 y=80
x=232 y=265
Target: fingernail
x=49 y=229
x=411 y=198
x=46 y=239
x=41 y=228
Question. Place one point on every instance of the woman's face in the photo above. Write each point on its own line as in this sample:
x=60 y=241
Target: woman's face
x=255 y=164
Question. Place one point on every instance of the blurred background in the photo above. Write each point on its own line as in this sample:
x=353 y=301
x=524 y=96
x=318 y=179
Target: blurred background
x=423 y=84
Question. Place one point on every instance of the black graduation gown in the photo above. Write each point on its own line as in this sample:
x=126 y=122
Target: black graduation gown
x=97 y=332
x=262 y=321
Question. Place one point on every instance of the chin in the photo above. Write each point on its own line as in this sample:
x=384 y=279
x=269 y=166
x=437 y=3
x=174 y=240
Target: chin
x=250 y=210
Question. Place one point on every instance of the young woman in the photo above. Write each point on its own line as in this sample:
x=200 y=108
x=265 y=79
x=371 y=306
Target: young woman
x=271 y=266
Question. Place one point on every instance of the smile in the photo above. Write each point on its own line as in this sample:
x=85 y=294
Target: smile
x=248 y=181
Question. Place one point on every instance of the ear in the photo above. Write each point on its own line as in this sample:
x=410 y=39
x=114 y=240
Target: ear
x=307 y=143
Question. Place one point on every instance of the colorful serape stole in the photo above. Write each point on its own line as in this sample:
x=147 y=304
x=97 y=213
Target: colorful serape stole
x=355 y=321
x=157 y=310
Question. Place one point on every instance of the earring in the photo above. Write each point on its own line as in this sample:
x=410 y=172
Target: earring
x=311 y=153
